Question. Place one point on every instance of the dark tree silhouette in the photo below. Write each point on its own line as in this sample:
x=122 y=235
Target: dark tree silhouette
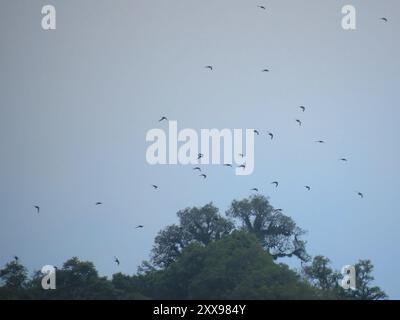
x=320 y=274
x=202 y=225
x=278 y=233
x=206 y=257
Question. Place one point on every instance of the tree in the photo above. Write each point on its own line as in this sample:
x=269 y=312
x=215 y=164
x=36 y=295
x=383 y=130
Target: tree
x=13 y=275
x=364 y=280
x=324 y=278
x=13 y=280
x=206 y=257
x=196 y=225
x=278 y=233
x=234 y=267
x=127 y=287
x=76 y=280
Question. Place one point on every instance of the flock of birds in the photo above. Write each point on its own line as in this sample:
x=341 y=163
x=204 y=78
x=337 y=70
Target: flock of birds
x=243 y=166
x=270 y=135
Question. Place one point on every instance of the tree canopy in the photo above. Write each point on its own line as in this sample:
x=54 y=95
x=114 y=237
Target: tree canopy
x=207 y=255
x=278 y=233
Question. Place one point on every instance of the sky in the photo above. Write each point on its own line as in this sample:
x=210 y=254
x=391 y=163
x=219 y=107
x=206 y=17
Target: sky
x=77 y=102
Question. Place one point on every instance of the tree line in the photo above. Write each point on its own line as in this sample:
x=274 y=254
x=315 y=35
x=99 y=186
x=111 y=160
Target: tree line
x=208 y=255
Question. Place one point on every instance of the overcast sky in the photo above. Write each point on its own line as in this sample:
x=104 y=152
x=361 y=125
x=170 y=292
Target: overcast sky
x=76 y=104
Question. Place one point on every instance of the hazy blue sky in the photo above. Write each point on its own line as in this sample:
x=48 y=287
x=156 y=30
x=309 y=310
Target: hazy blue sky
x=76 y=104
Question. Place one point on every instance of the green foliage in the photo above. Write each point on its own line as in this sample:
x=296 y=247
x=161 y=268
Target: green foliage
x=126 y=287
x=323 y=277
x=236 y=267
x=77 y=280
x=196 y=225
x=13 y=275
x=326 y=280
x=278 y=233
x=206 y=257
x=364 y=280
x=13 y=278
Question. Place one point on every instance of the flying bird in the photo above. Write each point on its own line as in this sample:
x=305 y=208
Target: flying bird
x=256 y=132
x=320 y=141
x=139 y=226
x=37 y=209
x=199 y=156
x=98 y=203
x=299 y=122
x=343 y=159
x=308 y=188
x=116 y=260
x=16 y=259
x=384 y=19
x=227 y=165
x=303 y=108
x=254 y=189
x=276 y=183
x=271 y=135
x=209 y=67
x=243 y=166
x=262 y=7
x=162 y=119
x=197 y=168
x=204 y=176
x=154 y=186
x=360 y=194
x=265 y=70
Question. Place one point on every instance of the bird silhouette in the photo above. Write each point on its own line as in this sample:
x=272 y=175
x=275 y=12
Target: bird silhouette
x=254 y=189
x=197 y=168
x=37 y=209
x=343 y=159
x=204 y=176
x=384 y=19
x=139 y=226
x=227 y=165
x=209 y=67
x=155 y=187
x=265 y=70
x=320 y=141
x=162 y=119
x=243 y=166
x=271 y=135
x=16 y=259
x=256 y=132
x=299 y=122
x=360 y=194
x=262 y=7
x=303 y=108
x=308 y=188
x=98 y=203
x=116 y=260
x=199 y=156
x=276 y=183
